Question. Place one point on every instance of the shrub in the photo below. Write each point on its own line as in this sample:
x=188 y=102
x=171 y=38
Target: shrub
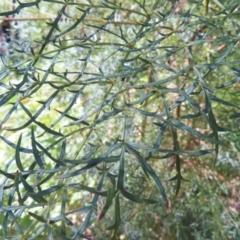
x=105 y=103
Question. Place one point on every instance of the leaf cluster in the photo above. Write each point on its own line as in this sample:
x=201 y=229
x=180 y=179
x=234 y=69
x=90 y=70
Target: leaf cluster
x=113 y=91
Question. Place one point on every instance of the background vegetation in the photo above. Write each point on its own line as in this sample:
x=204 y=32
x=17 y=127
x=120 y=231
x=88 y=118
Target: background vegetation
x=119 y=120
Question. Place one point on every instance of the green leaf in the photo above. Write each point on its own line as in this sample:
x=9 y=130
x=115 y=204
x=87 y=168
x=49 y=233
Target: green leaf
x=141 y=99
x=77 y=172
x=37 y=156
x=63 y=208
x=90 y=164
x=110 y=195
x=2 y=192
x=83 y=226
x=36 y=115
x=179 y=179
x=5 y=226
x=77 y=210
x=6 y=97
x=236 y=115
x=64 y=113
x=186 y=128
x=143 y=163
x=181 y=99
x=29 y=189
x=47 y=191
x=39 y=218
x=108 y=115
x=8 y=175
x=43 y=126
x=117 y=221
x=39 y=231
x=216 y=99
x=17 y=226
x=17 y=154
x=14 y=108
x=87 y=188
x=47 y=153
x=94 y=160
x=126 y=194
x=135 y=198
x=74 y=119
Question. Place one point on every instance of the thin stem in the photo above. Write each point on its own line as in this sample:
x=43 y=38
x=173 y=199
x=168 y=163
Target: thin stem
x=98 y=20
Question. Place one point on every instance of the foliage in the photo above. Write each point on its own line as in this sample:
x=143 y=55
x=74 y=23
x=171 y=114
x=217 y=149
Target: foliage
x=108 y=101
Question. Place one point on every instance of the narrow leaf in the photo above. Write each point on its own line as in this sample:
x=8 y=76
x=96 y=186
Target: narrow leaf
x=149 y=169
x=47 y=191
x=36 y=154
x=17 y=154
x=236 y=115
x=186 y=128
x=39 y=218
x=110 y=195
x=21 y=149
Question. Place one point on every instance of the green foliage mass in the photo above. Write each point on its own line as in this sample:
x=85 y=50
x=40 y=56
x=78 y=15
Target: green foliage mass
x=119 y=120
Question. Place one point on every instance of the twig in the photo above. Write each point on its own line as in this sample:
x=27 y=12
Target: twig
x=65 y=19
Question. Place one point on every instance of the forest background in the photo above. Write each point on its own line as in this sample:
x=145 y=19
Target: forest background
x=119 y=119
